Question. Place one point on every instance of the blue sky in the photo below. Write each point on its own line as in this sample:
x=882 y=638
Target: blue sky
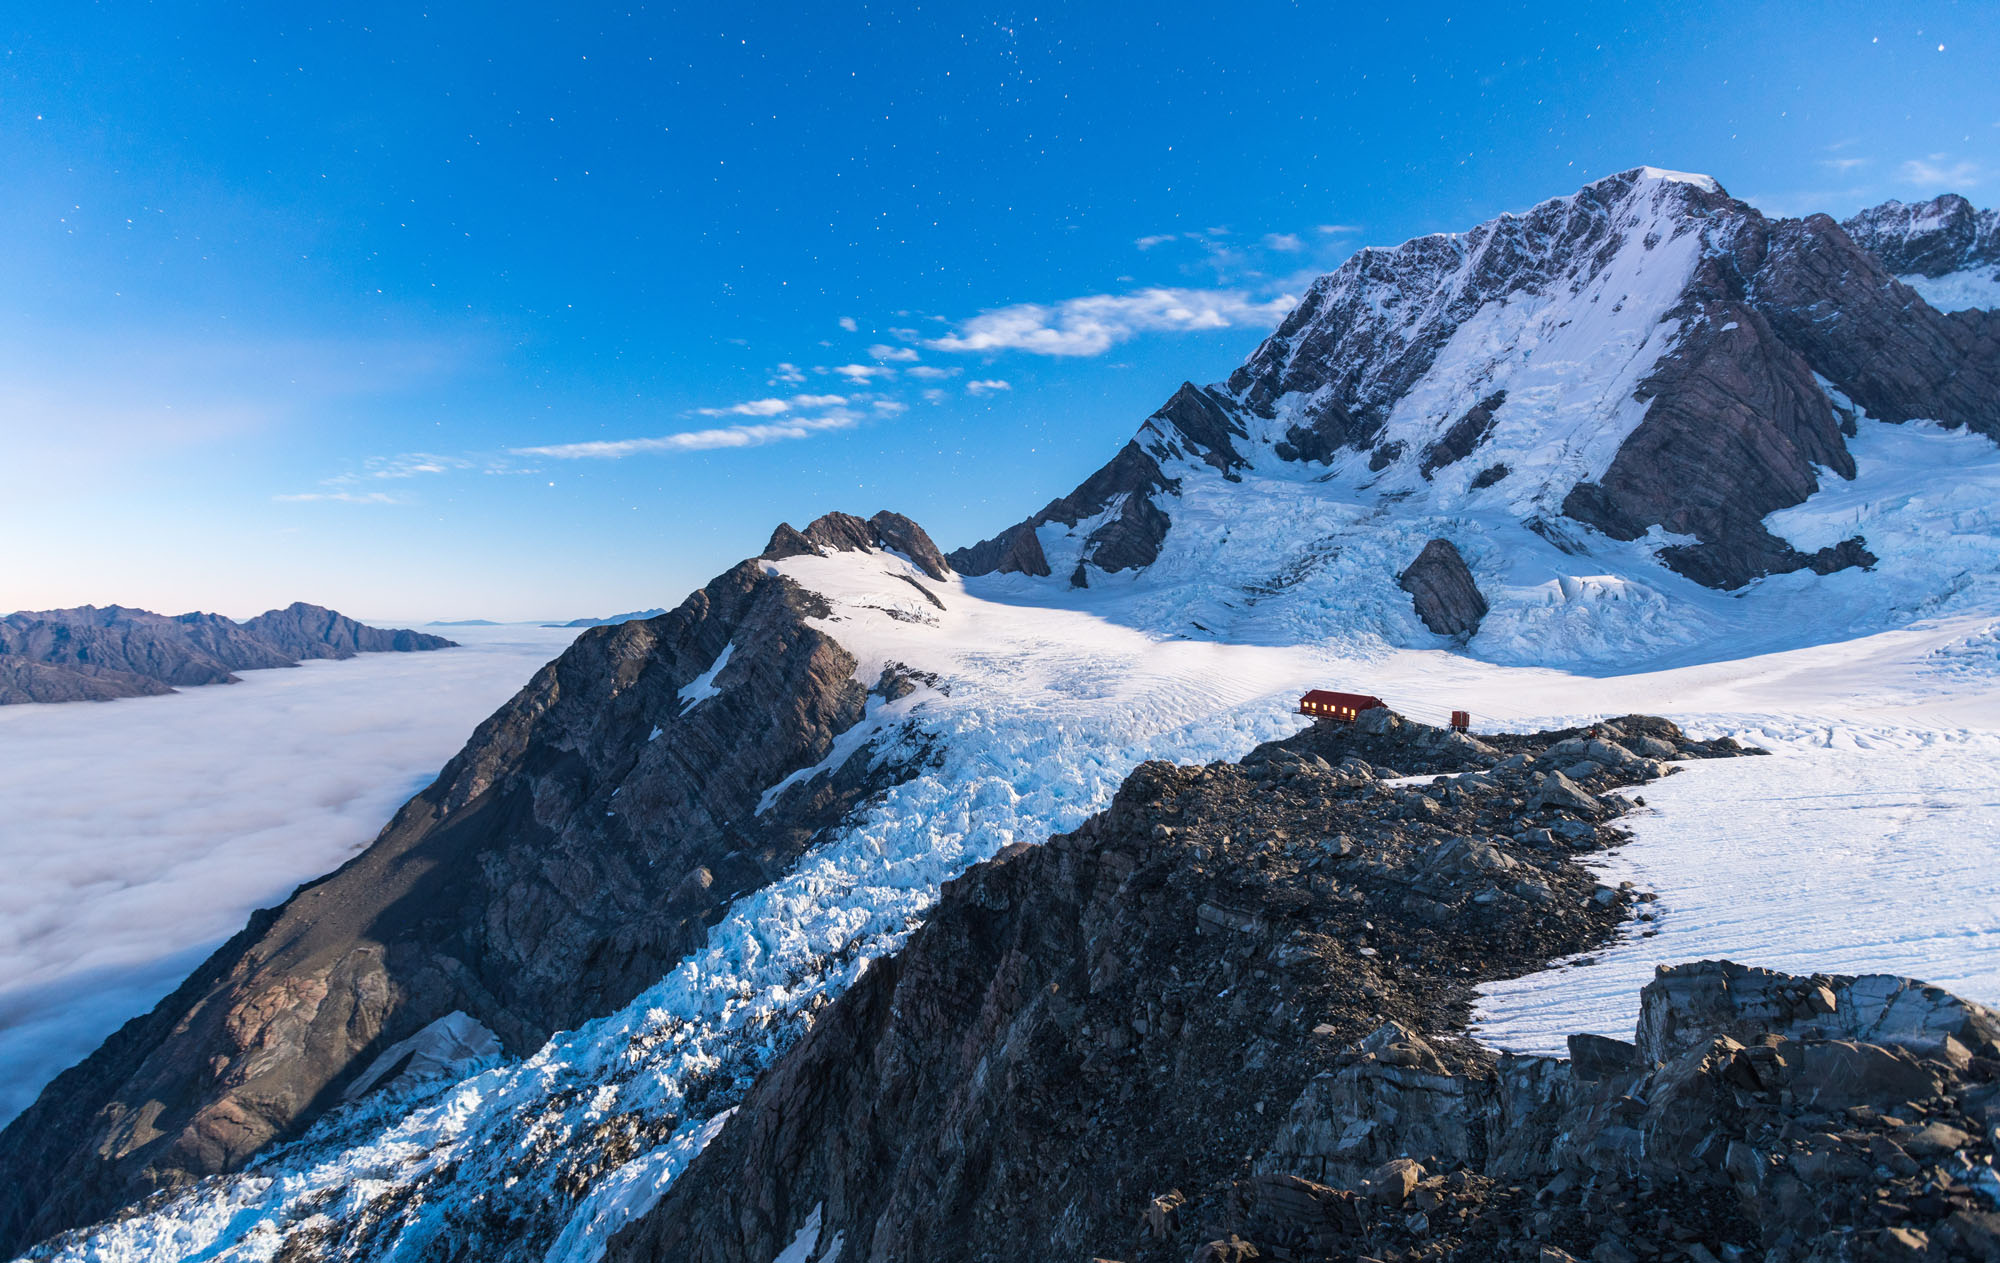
x=484 y=311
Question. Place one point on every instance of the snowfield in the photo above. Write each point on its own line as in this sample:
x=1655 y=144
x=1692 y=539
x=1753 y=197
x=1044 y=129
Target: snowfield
x=1856 y=849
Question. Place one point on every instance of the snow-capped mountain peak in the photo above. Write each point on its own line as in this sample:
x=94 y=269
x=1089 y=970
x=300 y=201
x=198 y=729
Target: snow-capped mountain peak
x=1633 y=377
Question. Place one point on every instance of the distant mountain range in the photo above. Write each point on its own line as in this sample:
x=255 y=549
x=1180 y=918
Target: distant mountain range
x=92 y=654
x=612 y=621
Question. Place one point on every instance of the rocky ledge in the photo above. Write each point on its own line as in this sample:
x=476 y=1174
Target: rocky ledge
x=1109 y=1045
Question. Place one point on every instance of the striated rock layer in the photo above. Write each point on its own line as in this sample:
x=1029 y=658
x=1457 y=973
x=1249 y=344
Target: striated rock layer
x=564 y=860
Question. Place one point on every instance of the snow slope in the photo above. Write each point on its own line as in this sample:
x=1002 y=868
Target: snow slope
x=1296 y=553
x=1971 y=290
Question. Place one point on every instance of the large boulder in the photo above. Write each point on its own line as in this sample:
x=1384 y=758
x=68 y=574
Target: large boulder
x=1440 y=585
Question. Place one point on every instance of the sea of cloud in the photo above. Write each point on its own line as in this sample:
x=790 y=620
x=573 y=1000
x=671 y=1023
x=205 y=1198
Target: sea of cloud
x=135 y=836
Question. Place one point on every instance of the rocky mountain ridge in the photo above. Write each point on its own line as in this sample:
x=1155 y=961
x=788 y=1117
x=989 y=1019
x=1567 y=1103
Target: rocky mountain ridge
x=573 y=851
x=98 y=654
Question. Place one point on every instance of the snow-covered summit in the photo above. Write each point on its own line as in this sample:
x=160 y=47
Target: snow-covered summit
x=1946 y=249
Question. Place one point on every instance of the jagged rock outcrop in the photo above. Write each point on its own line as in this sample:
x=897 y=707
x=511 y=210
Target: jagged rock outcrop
x=843 y=532
x=1407 y=362
x=96 y=654
x=1441 y=586
x=1815 y=1117
x=1082 y=1028
x=565 y=859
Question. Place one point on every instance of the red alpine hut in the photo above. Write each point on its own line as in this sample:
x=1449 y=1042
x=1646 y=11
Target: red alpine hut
x=1342 y=707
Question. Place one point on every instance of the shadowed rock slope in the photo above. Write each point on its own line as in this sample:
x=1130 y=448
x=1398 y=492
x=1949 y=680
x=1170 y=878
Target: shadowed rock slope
x=93 y=654
x=1083 y=1026
x=564 y=860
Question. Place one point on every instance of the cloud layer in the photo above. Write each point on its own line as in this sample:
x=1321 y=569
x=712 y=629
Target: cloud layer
x=697 y=440
x=138 y=835
x=1094 y=324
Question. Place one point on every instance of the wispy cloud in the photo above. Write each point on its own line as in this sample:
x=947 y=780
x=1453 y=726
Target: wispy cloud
x=1094 y=324
x=1334 y=230
x=750 y=408
x=1158 y=239
x=900 y=354
x=413 y=465
x=1289 y=242
x=986 y=386
x=1843 y=165
x=342 y=497
x=787 y=374
x=931 y=373
x=847 y=323
x=862 y=374
x=773 y=407
x=729 y=436
x=1938 y=169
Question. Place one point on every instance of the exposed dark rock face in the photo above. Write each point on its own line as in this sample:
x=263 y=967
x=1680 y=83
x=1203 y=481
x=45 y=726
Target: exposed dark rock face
x=1207 y=424
x=899 y=534
x=93 y=654
x=313 y=631
x=564 y=860
x=1870 y=334
x=1946 y=234
x=1328 y=428
x=843 y=532
x=1441 y=585
x=1736 y=430
x=1464 y=436
x=1082 y=1050
x=1195 y=424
